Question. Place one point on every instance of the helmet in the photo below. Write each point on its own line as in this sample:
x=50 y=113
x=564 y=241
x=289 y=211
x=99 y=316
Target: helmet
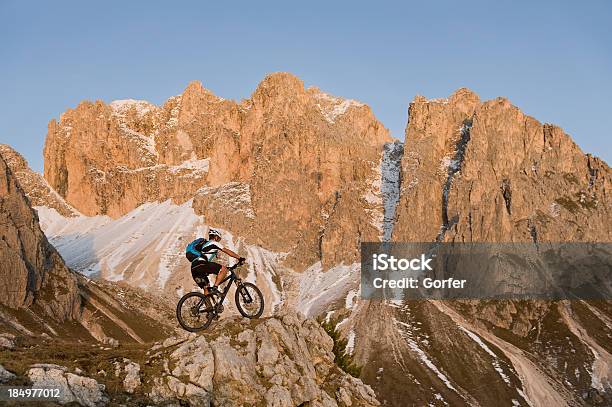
x=213 y=232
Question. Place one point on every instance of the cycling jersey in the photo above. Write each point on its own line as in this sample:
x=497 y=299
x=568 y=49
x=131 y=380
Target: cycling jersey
x=206 y=249
x=210 y=249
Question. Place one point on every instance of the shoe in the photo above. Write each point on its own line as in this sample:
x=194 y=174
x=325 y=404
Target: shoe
x=214 y=290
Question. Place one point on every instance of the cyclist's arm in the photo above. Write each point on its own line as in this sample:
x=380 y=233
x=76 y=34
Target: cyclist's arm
x=230 y=253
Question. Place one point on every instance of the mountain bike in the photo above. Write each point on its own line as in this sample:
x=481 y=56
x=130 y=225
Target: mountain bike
x=195 y=311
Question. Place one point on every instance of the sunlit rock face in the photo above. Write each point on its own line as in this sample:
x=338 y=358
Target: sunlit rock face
x=296 y=179
x=306 y=162
x=476 y=171
x=484 y=171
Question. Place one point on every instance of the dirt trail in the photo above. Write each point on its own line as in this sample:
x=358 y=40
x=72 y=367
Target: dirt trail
x=537 y=387
x=601 y=378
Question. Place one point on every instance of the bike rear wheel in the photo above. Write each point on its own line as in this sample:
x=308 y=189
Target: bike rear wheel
x=194 y=311
x=249 y=300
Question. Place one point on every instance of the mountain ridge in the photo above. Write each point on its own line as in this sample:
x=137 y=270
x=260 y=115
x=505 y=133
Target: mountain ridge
x=299 y=201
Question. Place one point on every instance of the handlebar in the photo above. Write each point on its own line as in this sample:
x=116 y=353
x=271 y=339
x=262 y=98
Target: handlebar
x=235 y=266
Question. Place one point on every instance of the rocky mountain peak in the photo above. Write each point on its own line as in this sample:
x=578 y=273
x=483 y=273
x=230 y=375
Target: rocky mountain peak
x=323 y=149
x=196 y=100
x=296 y=179
x=279 y=83
x=38 y=191
x=464 y=96
x=195 y=87
x=458 y=150
x=13 y=159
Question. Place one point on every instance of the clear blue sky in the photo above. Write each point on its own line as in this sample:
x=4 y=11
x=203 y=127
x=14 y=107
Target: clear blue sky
x=552 y=59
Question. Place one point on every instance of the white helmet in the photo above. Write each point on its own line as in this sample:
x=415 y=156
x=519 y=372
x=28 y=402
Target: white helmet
x=213 y=232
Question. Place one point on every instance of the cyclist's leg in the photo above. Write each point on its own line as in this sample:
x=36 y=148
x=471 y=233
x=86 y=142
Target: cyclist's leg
x=221 y=275
x=199 y=273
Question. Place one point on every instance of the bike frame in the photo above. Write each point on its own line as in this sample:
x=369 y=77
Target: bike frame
x=232 y=278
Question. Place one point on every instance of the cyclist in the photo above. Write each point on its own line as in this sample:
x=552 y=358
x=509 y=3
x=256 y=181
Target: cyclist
x=201 y=253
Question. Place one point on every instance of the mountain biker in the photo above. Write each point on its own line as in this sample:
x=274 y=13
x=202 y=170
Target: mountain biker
x=201 y=252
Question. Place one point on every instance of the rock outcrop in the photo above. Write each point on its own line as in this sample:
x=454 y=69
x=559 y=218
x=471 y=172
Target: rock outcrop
x=5 y=375
x=131 y=380
x=292 y=166
x=73 y=388
x=33 y=184
x=285 y=361
x=32 y=273
x=103 y=159
x=40 y=295
x=486 y=172
x=281 y=361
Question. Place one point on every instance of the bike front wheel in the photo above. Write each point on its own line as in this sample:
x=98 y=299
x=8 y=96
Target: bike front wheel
x=249 y=300
x=195 y=312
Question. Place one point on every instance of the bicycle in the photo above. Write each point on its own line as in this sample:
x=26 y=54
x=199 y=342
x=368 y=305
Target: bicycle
x=195 y=311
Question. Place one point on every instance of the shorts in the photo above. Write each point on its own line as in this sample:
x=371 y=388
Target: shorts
x=200 y=269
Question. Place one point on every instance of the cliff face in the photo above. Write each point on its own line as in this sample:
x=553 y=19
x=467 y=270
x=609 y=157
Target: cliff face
x=34 y=185
x=477 y=171
x=294 y=165
x=298 y=177
x=102 y=159
x=486 y=172
x=39 y=294
x=32 y=273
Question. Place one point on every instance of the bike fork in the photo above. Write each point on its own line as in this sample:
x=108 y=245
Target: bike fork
x=246 y=296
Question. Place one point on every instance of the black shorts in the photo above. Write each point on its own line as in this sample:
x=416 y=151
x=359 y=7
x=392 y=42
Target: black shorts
x=200 y=270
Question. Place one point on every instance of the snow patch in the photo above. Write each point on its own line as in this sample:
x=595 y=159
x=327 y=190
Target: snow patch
x=145 y=143
x=197 y=167
x=422 y=355
x=144 y=247
x=391 y=183
x=384 y=192
x=440 y=101
x=320 y=288
x=121 y=108
x=264 y=270
x=351 y=299
x=554 y=209
x=332 y=107
x=350 y=343
x=124 y=106
x=523 y=395
x=495 y=362
x=448 y=162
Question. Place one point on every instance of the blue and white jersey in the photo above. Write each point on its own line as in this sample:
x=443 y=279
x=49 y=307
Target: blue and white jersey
x=210 y=249
x=204 y=249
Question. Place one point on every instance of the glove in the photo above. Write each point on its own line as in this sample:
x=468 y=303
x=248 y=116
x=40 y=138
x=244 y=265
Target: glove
x=241 y=260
